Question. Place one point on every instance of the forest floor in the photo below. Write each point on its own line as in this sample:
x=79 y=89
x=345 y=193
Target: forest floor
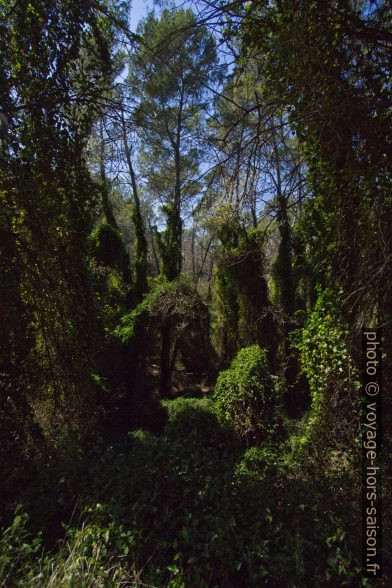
x=191 y=507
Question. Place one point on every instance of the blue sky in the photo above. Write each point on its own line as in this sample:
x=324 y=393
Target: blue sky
x=138 y=10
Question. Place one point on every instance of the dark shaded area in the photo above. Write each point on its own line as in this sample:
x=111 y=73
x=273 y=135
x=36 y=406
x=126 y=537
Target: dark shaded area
x=192 y=497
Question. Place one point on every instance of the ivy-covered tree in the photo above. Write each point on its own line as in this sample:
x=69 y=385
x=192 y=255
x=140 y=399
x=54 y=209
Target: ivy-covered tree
x=244 y=311
x=55 y=64
x=329 y=65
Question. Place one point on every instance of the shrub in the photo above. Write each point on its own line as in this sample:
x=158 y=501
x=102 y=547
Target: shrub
x=245 y=395
x=194 y=420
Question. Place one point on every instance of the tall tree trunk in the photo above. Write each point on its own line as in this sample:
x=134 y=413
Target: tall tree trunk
x=140 y=244
x=283 y=269
x=153 y=236
x=106 y=205
x=176 y=219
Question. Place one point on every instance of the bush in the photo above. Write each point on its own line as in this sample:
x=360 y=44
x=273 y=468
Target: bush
x=194 y=421
x=245 y=395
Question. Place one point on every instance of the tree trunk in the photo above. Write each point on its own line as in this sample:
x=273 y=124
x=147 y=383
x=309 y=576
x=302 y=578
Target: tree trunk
x=140 y=245
x=165 y=375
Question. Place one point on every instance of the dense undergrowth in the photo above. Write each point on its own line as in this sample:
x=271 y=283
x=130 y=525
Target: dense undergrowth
x=188 y=508
x=189 y=252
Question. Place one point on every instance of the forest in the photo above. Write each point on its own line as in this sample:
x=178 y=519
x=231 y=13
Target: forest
x=195 y=233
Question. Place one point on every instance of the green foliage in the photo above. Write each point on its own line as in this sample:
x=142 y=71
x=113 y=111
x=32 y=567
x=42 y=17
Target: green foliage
x=226 y=322
x=305 y=270
x=51 y=60
x=171 y=83
x=85 y=557
x=189 y=418
x=169 y=242
x=111 y=293
x=243 y=308
x=110 y=272
x=209 y=493
x=323 y=64
x=283 y=266
x=18 y=550
x=245 y=395
x=108 y=249
x=174 y=301
x=172 y=320
x=134 y=323
x=166 y=300
x=140 y=253
x=332 y=420
x=201 y=514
